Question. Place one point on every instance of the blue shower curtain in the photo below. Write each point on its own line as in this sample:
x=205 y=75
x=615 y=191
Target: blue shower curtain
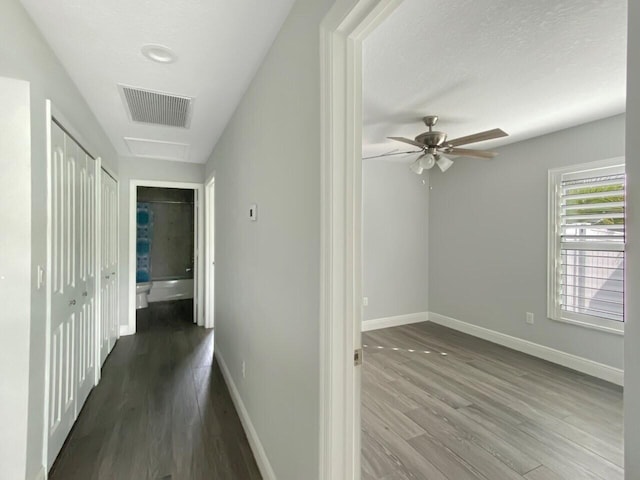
x=144 y=219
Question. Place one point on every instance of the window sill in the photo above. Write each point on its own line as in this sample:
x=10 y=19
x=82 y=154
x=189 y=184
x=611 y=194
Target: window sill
x=616 y=328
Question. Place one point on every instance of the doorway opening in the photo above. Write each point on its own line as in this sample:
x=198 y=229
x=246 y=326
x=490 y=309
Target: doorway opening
x=210 y=255
x=165 y=253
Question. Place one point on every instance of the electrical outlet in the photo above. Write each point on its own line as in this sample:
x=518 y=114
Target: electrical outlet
x=529 y=319
x=244 y=370
x=365 y=301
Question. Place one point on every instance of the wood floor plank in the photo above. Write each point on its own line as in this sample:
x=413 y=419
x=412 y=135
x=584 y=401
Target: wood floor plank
x=543 y=473
x=448 y=421
x=461 y=442
x=161 y=411
x=412 y=464
x=486 y=411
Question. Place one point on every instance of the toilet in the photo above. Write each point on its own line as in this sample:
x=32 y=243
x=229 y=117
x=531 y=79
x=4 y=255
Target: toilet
x=142 y=291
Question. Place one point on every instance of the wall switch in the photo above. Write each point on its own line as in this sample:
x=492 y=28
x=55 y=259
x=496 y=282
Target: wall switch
x=244 y=370
x=40 y=277
x=253 y=212
x=530 y=318
x=365 y=301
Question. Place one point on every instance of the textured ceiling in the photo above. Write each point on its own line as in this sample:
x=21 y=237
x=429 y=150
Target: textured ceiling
x=219 y=44
x=528 y=67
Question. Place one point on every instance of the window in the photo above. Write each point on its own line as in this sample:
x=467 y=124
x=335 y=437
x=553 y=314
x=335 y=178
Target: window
x=586 y=245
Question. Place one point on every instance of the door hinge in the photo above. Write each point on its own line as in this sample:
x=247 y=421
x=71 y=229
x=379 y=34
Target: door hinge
x=357 y=357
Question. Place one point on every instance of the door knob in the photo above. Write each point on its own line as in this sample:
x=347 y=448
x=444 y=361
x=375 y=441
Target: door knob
x=84 y=294
x=106 y=277
x=72 y=302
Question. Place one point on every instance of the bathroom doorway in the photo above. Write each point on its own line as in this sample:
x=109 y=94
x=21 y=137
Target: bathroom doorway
x=165 y=256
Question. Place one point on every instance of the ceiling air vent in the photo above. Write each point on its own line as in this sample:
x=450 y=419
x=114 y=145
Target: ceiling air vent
x=157 y=108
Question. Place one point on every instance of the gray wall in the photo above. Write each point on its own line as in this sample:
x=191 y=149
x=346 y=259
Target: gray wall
x=632 y=334
x=25 y=55
x=15 y=261
x=268 y=272
x=488 y=239
x=395 y=206
x=144 y=169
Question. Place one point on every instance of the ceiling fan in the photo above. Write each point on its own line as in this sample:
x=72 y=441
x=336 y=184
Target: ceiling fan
x=434 y=144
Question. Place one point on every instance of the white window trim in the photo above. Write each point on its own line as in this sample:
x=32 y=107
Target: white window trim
x=554 y=311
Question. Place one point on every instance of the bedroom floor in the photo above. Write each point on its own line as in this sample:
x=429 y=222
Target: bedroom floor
x=470 y=409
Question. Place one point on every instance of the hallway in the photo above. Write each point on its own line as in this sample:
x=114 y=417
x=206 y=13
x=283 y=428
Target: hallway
x=161 y=411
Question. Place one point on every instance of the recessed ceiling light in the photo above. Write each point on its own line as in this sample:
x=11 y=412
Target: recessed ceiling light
x=158 y=53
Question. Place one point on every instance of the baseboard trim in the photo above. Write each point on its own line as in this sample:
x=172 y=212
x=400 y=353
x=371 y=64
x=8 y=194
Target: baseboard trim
x=254 y=441
x=124 y=331
x=574 y=362
x=386 y=322
x=42 y=474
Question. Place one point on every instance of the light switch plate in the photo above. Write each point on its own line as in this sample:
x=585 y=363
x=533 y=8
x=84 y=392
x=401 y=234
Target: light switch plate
x=40 y=277
x=253 y=212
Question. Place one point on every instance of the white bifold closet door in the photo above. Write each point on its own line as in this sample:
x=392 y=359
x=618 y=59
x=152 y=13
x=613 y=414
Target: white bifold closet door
x=108 y=264
x=72 y=355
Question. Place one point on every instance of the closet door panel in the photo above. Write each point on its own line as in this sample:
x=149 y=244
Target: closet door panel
x=65 y=307
x=114 y=325
x=85 y=345
x=109 y=324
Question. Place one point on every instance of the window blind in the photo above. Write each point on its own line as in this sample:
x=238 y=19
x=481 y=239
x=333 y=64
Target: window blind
x=592 y=236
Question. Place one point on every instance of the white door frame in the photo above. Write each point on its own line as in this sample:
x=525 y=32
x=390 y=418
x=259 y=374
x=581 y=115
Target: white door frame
x=209 y=253
x=341 y=35
x=198 y=234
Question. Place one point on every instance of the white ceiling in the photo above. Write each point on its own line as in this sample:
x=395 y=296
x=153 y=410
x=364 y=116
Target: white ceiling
x=528 y=67
x=219 y=44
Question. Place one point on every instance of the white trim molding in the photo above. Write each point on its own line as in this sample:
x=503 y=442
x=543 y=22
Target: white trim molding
x=574 y=362
x=42 y=474
x=124 y=330
x=198 y=188
x=341 y=34
x=266 y=470
x=209 y=252
x=395 y=321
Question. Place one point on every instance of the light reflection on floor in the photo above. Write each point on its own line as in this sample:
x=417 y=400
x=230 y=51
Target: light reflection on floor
x=398 y=349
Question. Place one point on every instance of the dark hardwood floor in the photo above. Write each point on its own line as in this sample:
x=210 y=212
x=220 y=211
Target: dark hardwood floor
x=441 y=405
x=161 y=411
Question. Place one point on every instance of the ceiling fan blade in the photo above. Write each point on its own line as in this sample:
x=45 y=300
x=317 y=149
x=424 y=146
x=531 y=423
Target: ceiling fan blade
x=391 y=153
x=467 y=152
x=477 y=137
x=407 y=140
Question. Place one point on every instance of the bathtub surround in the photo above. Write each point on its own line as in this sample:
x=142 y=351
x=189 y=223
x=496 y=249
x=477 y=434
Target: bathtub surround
x=171 y=248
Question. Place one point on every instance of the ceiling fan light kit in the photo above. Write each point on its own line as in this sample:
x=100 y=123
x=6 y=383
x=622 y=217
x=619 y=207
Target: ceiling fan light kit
x=416 y=168
x=434 y=143
x=443 y=163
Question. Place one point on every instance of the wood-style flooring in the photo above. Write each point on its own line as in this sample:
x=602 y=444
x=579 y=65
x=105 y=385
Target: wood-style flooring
x=161 y=411
x=441 y=405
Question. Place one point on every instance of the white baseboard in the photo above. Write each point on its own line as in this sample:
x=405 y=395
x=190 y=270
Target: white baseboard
x=42 y=474
x=124 y=331
x=254 y=441
x=574 y=362
x=386 y=322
